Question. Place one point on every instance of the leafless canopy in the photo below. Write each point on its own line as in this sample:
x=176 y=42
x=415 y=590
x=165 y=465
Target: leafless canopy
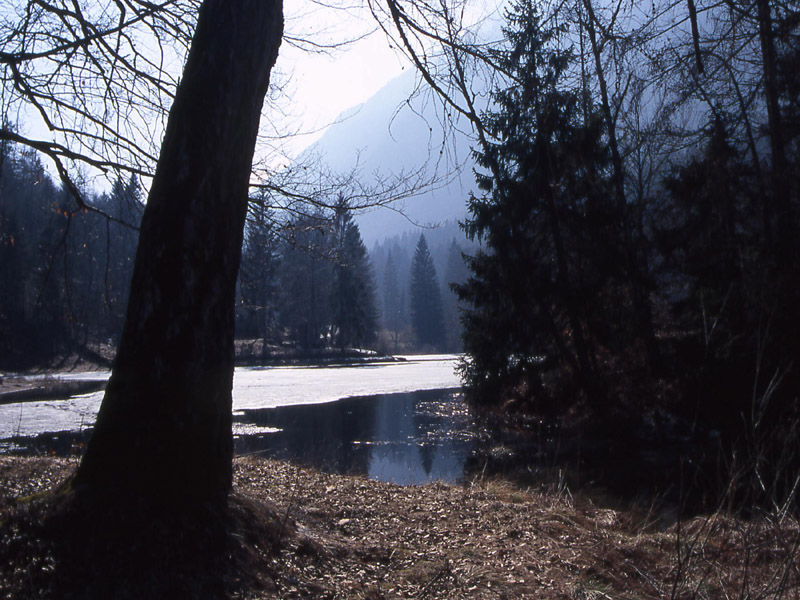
x=91 y=82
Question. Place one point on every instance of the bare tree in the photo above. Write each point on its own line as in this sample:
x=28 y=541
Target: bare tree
x=102 y=81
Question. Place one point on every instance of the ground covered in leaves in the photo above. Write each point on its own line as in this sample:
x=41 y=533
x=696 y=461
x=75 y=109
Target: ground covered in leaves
x=291 y=532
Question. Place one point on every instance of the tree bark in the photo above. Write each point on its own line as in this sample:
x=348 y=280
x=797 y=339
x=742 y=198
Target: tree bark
x=164 y=427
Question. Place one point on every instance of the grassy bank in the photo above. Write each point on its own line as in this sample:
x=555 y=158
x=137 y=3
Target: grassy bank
x=305 y=534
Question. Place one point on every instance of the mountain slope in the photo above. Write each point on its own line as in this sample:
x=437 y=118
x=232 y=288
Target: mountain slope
x=390 y=136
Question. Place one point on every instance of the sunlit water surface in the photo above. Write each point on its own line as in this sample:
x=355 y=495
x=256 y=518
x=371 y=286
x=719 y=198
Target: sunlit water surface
x=396 y=421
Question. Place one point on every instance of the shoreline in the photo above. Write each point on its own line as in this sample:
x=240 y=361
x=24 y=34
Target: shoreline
x=48 y=384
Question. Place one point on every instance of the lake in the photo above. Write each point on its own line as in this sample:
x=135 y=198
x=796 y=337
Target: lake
x=404 y=422
x=406 y=438
x=401 y=421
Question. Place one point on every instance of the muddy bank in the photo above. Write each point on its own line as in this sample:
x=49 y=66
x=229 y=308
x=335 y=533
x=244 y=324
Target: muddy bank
x=251 y=353
x=22 y=389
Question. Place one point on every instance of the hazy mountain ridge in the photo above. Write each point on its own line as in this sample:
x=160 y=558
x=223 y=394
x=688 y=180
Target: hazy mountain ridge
x=395 y=133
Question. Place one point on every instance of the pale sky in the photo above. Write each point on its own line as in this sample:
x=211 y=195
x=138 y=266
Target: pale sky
x=317 y=87
x=321 y=86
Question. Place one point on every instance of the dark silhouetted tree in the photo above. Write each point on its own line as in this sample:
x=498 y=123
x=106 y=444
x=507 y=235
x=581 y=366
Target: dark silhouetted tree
x=546 y=224
x=33 y=328
x=427 y=318
x=124 y=205
x=258 y=276
x=163 y=431
x=456 y=273
x=354 y=314
x=306 y=277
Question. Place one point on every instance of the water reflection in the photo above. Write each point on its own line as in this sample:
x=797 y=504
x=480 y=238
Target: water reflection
x=408 y=438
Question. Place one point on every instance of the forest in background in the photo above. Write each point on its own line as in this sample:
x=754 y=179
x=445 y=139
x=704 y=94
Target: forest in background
x=64 y=278
x=638 y=272
x=304 y=284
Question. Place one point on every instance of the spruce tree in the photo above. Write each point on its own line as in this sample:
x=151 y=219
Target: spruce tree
x=258 y=275
x=427 y=317
x=546 y=224
x=306 y=276
x=391 y=294
x=124 y=205
x=393 y=301
x=354 y=313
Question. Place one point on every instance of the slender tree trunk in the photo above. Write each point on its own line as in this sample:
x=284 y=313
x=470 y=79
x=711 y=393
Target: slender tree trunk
x=698 y=57
x=636 y=271
x=164 y=427
x=780 y=222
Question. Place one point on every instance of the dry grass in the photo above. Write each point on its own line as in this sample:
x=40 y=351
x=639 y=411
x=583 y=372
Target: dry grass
x=299 y=533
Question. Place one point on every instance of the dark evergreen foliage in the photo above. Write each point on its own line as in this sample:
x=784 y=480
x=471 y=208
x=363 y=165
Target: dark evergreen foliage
x=392 y=257
x=394 y=312
x=678 y=297
x=258 y=277
x=327 y=294
x=306 y=275
x=32 y=326
x=455 y=274
x=734 y=298
x=65 y=272
x=427 y=317
x=354 y=311
x=392 y=297
x=542 y=288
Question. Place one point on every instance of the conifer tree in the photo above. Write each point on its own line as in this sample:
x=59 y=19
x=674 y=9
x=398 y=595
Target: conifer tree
x=306 y=276
x=393 y=301
x=354 y=312
x=545 y=221
x=258 y=275
x=427 y=318
x=124 y=205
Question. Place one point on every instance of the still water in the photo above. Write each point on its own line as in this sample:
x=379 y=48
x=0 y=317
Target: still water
x=403 y=422
x=406 y=438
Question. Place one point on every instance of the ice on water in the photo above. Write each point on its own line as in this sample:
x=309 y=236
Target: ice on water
x=253 y=387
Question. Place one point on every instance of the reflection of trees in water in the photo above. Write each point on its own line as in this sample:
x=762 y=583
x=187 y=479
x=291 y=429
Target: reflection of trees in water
x=389 y=437
x=426 y=424
x=426 y=453
x=395 y=457
x=420 y=444
x=322 y=435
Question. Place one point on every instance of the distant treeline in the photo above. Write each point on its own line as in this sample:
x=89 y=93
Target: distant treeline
x=305 y=283
x=392 y=260
x=64 y=270
x=311 y=283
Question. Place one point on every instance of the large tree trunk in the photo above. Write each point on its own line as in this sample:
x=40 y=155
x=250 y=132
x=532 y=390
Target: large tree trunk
x=164 y=427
